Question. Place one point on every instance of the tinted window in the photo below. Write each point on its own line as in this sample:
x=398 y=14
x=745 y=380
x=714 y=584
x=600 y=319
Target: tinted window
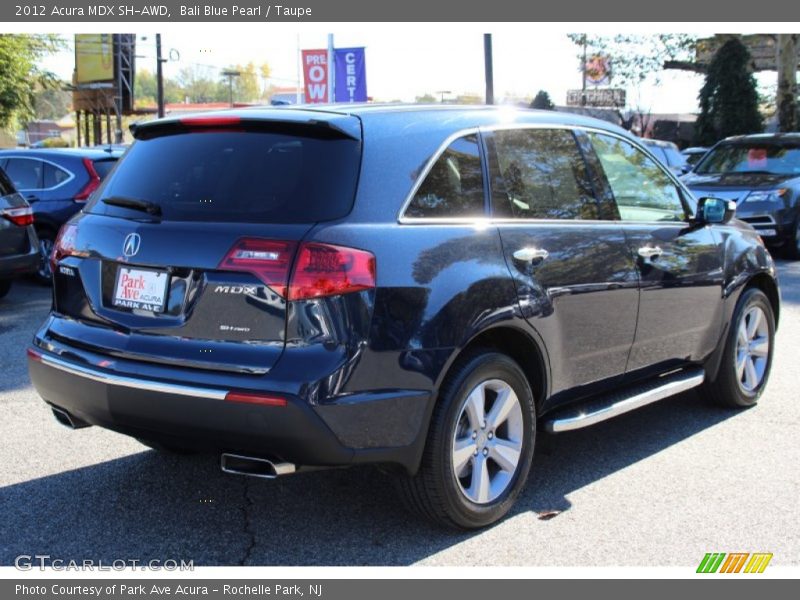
x=54 y=176
x=237 y=176
x=746 y=158
x=25 y=173
x=103 y=167
x=6 y=187
x=453 y=186
x=641 y=188
x=540 y=174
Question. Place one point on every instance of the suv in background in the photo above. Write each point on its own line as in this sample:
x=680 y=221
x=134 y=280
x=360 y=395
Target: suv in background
x=668 y=153
x=761 y=173
x=418 y=287
x=19 y=248
x=56 y=183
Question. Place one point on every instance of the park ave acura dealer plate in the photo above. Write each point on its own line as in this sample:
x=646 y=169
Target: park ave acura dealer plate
x=143 y=289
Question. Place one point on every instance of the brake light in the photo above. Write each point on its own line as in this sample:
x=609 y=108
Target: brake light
x=226 y=121
x=94 y=182
x=251 y=398
x=22 y=216
x=269 y=260
x=319 y=269
x=327 y=270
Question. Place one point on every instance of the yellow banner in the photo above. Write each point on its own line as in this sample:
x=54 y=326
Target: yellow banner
x=94 y=57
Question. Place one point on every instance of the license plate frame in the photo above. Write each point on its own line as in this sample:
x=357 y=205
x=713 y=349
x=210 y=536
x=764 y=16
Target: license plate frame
x=145 y=287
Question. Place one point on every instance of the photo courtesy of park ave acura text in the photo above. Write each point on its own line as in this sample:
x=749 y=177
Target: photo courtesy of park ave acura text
x=277 y=291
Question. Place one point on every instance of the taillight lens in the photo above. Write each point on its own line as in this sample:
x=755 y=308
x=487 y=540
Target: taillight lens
x=22 y=216
x=269 y=260
x=319 y=269
x=326 y=270
x=65 y=244
x=94 y=182
x=251 y=398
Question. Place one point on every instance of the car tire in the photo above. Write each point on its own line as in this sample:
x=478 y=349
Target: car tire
x=5 y=286
x=792 y=246
x=747 y=357
x=43 y=273
x=444 y=490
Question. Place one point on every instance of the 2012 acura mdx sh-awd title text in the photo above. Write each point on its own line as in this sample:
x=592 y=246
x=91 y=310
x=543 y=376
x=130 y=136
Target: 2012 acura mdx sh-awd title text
x=419 y=287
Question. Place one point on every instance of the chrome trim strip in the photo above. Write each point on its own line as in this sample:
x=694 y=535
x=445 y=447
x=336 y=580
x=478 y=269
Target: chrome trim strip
x=132 y=382
x=403 y=220
x=691 y=380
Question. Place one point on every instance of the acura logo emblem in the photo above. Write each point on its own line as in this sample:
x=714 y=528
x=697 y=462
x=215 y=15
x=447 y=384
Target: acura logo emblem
x=131 y=244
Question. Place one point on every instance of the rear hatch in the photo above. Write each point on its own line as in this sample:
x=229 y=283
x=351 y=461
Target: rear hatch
x=183 y=255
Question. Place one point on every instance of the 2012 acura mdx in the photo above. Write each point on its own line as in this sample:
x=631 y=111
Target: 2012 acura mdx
x=418 y=287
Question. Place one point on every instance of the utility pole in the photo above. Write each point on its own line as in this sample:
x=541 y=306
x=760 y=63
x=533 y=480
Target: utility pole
x=330 y=69
x=786 y=101
x=159 y=77
x=230 y=74
x=583 y=74
x=488 y=67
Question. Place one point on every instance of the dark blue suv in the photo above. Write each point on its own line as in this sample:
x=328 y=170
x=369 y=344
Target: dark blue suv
x=418 y=287
x=56 y=183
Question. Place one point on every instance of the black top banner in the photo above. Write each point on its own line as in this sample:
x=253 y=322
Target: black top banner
x=61 y=11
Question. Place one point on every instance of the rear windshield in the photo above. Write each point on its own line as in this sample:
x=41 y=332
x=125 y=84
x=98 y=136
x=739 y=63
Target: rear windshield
x=102 y=167
x=780 y=159
x=236 y=176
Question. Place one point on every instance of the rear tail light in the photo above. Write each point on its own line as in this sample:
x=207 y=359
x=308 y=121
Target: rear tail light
x=319 y=269
x=22 y=216
x=269 y=260
x=325 y=270
x=94 y=182
x=65 y=245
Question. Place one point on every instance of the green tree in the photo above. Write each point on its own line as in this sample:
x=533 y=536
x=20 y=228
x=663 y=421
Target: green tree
x=197 y=84
x=426 y=98
x=542 y=101
x=21 y=75
x=728 y=98
x=52 y=102
x=245 y=87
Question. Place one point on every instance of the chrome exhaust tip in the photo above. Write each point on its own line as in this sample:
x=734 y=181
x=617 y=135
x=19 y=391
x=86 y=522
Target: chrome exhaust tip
x=254 y=466
x=67 y=420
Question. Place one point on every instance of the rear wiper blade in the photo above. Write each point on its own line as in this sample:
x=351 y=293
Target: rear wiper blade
x=133 y=203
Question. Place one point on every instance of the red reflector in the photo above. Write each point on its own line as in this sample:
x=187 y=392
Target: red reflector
x=327 y=270
x=250 y=398
x=269 y=260
x=210 y=121
x=94 y=182
x=22 y=216
x=34 y=355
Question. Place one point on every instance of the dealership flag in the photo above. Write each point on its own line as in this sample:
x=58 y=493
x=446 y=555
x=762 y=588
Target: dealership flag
x=351 y=75
x=315 y=75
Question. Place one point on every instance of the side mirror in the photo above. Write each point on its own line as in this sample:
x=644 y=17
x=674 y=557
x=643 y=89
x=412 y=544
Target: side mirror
x=715 y=210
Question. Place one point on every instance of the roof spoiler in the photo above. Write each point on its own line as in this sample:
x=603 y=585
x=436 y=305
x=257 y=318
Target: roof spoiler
x=299 y=122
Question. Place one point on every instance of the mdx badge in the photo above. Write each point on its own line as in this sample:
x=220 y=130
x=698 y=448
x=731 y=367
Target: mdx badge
x=131 y=244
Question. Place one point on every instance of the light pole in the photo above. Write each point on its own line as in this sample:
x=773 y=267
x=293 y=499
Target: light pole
x=230 y=74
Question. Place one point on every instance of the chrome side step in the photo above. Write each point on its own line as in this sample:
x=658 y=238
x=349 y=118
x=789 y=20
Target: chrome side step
x=626 y=400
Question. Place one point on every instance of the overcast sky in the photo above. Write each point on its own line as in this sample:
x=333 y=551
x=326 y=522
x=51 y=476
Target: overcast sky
x=404 y=60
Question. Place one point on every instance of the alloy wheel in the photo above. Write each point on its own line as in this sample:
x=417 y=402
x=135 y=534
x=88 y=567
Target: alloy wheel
x=752 y=349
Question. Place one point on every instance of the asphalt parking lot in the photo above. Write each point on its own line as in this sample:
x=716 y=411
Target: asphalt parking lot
x=660 y=487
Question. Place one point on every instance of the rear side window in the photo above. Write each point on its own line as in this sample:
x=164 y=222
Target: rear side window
x=26 y=173
x=453 y=187
x=6 y=187
x=237 y=176
x=540 y=174
x=54 y=176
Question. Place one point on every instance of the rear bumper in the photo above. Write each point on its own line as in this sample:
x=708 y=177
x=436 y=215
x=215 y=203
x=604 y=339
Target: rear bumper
x=360 y=429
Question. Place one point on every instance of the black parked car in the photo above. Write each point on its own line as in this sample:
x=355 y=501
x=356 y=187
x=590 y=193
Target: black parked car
x=761 y=173
x=19 y=253
x=422 y=288
x=56 y=182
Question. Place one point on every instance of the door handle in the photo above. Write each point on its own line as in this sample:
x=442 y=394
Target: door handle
x=531 y=254
x=650 y=251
